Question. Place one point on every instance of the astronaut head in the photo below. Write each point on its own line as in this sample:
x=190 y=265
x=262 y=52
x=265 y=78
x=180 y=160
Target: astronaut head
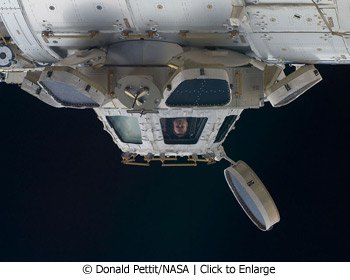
x=180 y=126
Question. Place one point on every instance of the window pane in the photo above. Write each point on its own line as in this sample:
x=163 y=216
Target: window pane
x=226 y=125
x=182 y=130
x=67 y=95
x=200 y=92
x=127 y=128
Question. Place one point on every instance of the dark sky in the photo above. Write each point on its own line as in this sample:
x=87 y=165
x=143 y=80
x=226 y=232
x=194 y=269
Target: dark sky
x=66 y=197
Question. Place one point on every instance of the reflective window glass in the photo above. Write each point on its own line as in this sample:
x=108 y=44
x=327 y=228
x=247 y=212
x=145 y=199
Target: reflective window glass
x=182 y=130
x=127 y=128
x=67 y=95
x=200 y=92
x=225 y=127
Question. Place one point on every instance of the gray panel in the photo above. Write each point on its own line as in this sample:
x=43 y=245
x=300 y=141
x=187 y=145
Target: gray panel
x=75 y=15
x=299 y=47
x=142 y=53
x=290 y=18
x=177 y=15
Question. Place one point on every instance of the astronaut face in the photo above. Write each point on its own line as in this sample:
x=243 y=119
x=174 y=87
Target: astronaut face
x=180 y=126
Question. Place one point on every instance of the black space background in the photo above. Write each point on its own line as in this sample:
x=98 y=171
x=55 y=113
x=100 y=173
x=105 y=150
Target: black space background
x=66 y=197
